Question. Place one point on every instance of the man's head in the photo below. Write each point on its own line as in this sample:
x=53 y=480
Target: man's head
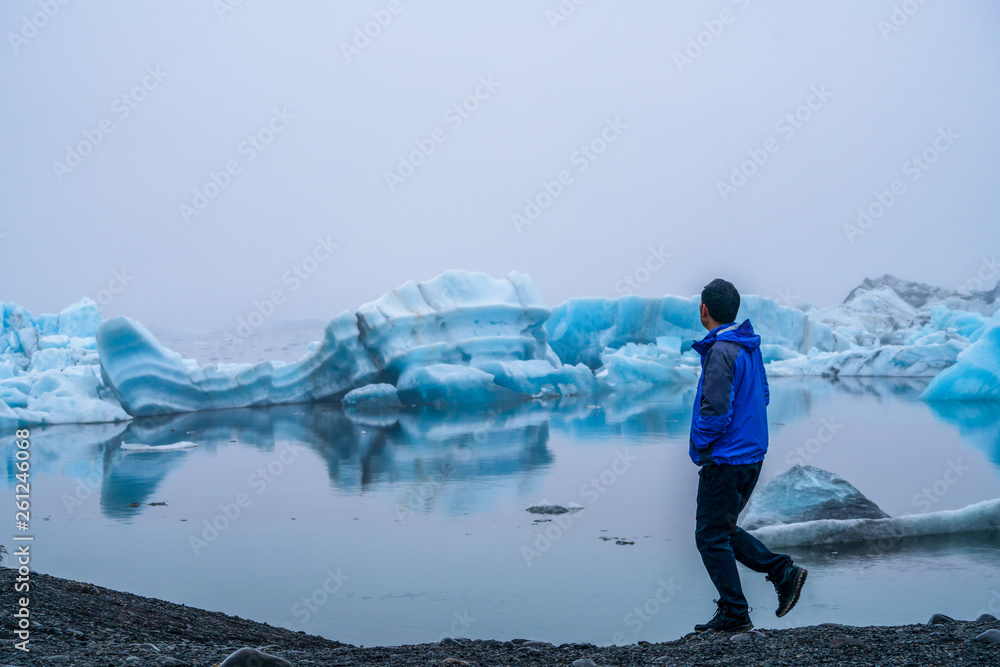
x=719 y=303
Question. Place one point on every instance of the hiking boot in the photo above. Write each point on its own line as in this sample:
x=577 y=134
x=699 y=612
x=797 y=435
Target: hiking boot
x=726 y=620
x=788 y=586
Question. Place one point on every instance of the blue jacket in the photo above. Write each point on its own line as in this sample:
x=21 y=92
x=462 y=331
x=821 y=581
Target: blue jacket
x=729 y=421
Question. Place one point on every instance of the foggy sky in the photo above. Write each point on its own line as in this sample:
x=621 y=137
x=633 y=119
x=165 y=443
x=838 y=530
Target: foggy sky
x=309 y=116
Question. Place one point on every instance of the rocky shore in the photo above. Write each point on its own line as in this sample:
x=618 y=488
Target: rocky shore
x=75 y=623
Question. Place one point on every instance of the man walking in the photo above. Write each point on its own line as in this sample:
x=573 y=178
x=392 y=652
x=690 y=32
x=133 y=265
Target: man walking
x=728 y=442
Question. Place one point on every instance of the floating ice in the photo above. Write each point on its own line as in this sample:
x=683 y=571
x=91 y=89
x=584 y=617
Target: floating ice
x=976 y=375
x=469 y=339
x=172 y=447
x=807 y=493
x=980 y=517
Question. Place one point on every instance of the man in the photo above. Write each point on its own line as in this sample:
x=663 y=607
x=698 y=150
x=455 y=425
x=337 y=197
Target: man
x=728 y=442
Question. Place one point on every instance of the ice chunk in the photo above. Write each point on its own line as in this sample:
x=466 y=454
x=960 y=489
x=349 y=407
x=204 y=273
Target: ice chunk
x=980 y=517
x=149 y=379
x=80 y=319
x=807 y=493
x=976 y=374
x=377 y=397
x=451 y=384
x=172 y=447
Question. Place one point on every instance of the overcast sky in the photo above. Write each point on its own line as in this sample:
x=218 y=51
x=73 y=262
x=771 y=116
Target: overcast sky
x=185 y=162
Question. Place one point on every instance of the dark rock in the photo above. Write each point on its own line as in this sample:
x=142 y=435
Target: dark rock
x=584 y=662
x=528 y=649
x=536 y=644
x=841 y=642
x=839 y=626
x=991 y=636
x=168 y=661
x=988 y=618
x=552 y=509
x=509 y=644
x=940 y=619
x=251 y=657
x=57 y=658
x=450 y=641
x=623 y=542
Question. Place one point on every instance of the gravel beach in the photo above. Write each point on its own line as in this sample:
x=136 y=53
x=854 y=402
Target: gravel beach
x=75 y=623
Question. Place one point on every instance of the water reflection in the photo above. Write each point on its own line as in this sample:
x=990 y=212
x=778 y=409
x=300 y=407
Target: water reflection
x=361 y=451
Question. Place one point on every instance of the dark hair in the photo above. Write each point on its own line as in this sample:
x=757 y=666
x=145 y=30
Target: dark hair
x=722 y=299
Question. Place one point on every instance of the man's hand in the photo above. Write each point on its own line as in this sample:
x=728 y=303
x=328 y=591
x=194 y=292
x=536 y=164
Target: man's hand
x=704 y=454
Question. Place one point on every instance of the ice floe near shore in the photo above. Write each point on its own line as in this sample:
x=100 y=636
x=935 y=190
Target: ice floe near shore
x=808 y=506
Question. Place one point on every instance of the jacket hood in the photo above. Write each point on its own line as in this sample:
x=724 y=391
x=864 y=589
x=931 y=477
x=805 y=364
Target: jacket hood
x=742 y=334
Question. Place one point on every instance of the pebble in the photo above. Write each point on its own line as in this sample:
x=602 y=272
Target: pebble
x=742 y=637
x=536 y=644
x=840 y=642
x=168 y=661
x=839 y=626
x=133 y=658
x=151 y=647
x=528 y=649
x=249 y=657
x=508 y=644
x=989 y=637
x=940 y=619
x=986 y=617
x=450 y=641
x=584 y=662
x=57 y=658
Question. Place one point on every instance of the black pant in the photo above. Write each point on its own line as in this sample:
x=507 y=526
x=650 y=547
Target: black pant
x=723 y=492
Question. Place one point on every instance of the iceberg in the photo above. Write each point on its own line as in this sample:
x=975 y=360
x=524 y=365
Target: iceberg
x=976 y=373
x=467 y=339
x=979 y=517
x=806 y=493
x=808 y=506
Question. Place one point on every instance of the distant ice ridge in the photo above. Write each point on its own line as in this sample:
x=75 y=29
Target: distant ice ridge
x=808 y=506
x=468 y=339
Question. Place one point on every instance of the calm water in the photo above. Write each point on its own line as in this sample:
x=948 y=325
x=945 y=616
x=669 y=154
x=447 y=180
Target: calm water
x=403 y=530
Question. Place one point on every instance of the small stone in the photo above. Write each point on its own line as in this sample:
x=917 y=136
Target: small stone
x=133 y=658
x=989 y=618
x=168 y=661
x=991 y=636
x=536 y=644
x=623 y=542
x=584 y=662
x=528 y=649
x=841 y=642
x=508 y=644
x=940 y=619
x=450 y=641
x=839 y=626
x=662 y=658
x=57 y=658
x=151 y=647
x=455 y=661
x=742 y=637
x=249 y=657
